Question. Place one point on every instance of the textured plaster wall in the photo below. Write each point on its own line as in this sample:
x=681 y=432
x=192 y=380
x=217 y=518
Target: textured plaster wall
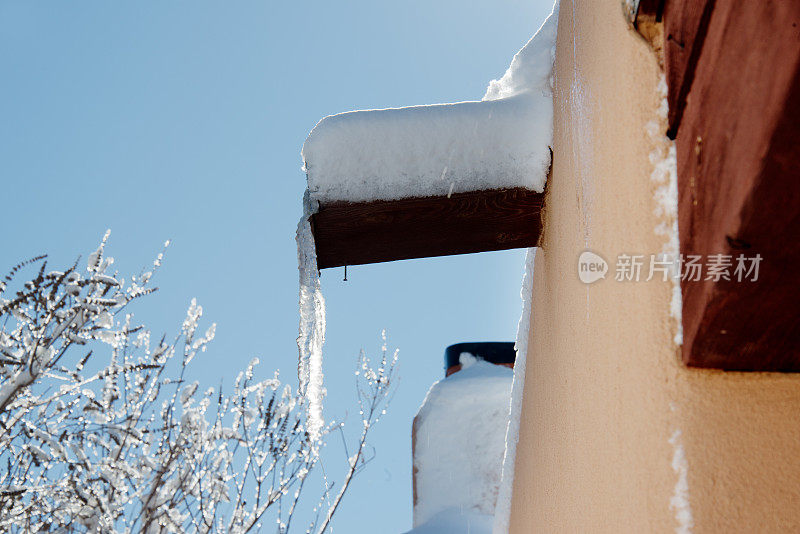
x=616 y=434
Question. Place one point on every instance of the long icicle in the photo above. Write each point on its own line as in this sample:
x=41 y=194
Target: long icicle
x=312 y=323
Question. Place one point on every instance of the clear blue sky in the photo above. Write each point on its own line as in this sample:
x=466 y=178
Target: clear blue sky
x=184 y=120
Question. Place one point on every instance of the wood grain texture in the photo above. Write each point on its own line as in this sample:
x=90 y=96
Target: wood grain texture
x=373 y=232
x=738 y=148
x=686 y=24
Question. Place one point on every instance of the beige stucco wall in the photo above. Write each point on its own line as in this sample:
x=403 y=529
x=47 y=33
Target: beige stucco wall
x=605 y=390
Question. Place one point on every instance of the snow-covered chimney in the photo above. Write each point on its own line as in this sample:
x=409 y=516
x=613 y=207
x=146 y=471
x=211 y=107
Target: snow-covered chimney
x=458 y=436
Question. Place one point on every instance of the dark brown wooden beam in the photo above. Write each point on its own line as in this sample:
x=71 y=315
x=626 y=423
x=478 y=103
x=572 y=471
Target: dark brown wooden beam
x=372 y=232
x=738 y=146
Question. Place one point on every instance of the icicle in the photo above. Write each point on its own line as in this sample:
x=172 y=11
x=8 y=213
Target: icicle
x=312 y=322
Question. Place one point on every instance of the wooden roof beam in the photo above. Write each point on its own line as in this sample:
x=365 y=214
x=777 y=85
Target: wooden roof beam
x=387 y=230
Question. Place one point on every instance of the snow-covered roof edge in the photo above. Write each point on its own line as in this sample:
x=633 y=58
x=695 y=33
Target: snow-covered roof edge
x=433 y=150
x=499 y=142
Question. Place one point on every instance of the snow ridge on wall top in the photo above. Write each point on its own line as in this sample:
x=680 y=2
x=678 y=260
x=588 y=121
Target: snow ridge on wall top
x=531 y=70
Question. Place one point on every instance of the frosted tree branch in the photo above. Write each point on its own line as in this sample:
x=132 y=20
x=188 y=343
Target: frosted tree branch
x=100 y=431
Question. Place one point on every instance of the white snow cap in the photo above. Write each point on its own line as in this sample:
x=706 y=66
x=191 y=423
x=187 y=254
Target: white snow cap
x=460 y=441
x=500 y=142
x=424 y=150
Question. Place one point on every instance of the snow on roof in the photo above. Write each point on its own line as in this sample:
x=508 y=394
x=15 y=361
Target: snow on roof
x=420 y=151
x=386 y=154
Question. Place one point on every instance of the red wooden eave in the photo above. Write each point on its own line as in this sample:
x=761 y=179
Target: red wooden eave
x=733 y=76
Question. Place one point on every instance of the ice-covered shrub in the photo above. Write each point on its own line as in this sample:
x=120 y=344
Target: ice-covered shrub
x=99 y=431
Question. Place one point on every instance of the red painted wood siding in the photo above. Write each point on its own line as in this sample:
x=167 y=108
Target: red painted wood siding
x=733 y=71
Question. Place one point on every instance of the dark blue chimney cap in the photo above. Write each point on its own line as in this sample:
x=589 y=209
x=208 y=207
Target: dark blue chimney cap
x=491 y=351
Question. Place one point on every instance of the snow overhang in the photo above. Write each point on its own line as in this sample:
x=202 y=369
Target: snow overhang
x=427 y=181
x=436 y=180
x=428 y=151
